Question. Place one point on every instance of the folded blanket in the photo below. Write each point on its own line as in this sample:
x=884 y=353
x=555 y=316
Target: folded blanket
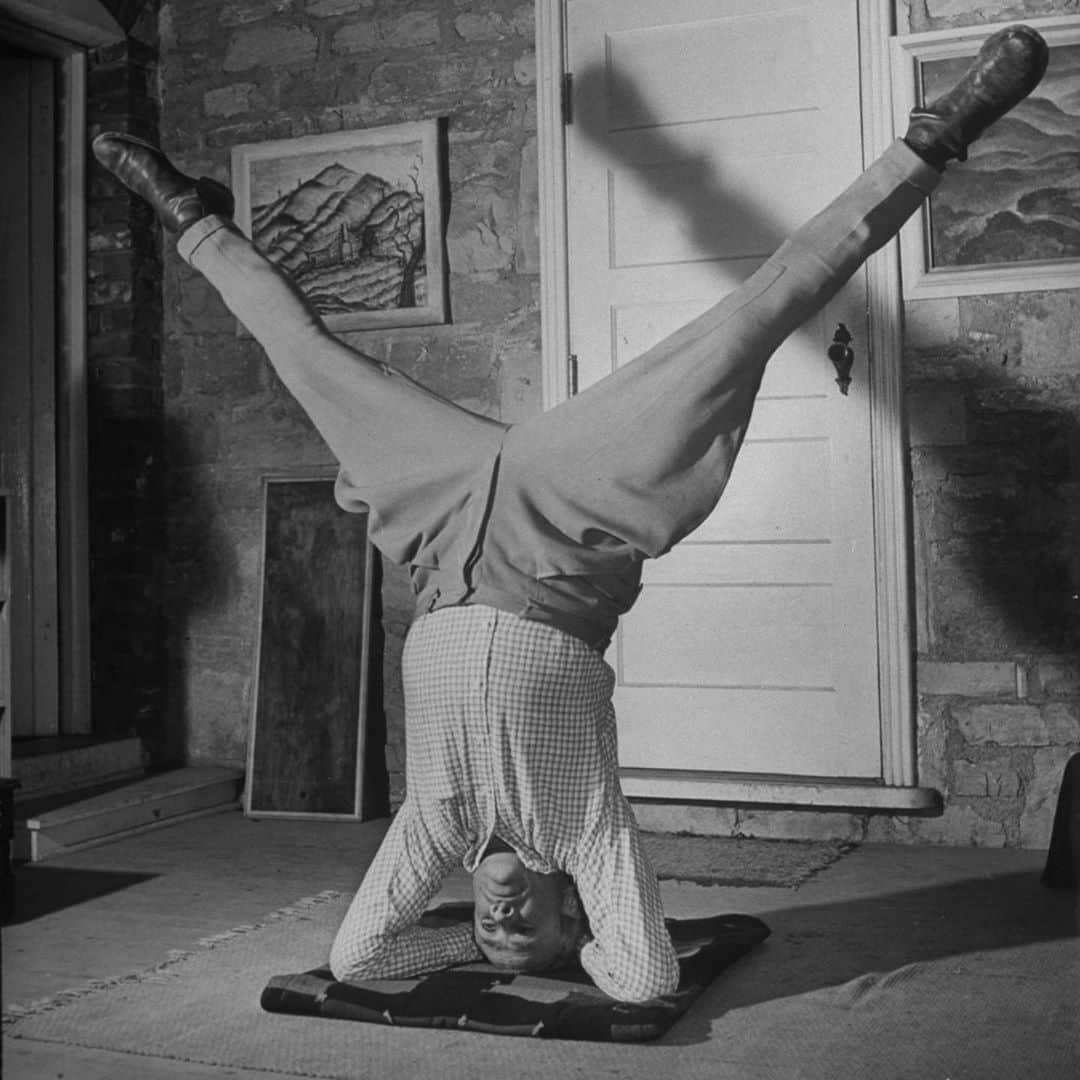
x=561 y=1004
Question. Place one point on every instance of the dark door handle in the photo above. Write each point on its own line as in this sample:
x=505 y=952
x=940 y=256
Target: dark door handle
x=842 y=355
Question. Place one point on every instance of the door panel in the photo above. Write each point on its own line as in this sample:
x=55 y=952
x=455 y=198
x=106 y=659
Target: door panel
x=703 y=132
x=677 y=640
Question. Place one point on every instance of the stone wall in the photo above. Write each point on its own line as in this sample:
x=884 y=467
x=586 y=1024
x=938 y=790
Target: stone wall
x=993 y=396
x=254 y=70
x=994 y=418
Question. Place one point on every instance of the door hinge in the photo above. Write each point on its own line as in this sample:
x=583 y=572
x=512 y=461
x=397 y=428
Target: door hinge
x=567 y=99
x=572 y=374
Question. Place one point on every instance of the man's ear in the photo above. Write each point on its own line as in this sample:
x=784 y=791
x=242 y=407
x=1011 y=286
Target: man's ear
x=571 y=902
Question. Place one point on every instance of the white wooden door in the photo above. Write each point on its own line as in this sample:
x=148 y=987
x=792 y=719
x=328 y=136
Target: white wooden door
x=702 y=132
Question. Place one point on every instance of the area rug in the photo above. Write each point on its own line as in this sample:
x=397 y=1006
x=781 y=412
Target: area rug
x=790 y=1009
x=201 y=1005
x=740 y=860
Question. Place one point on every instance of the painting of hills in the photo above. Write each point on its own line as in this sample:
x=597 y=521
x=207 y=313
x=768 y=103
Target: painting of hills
x=347 y=217
x=1017 y=197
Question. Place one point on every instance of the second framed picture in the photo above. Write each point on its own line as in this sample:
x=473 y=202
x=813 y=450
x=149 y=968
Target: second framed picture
x=354 y=217
x=306 y=743
x=1008 y=218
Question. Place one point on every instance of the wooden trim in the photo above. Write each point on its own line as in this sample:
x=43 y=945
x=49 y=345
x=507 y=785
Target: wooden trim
x=133 y=808
x=551 y=145
x=888 y=429
x=779 y=792
x=71 y=423
x=44 y=597
x=72 y=478
x=892 y=526
x=83 y=22
x=5 y=645
x=15 y=386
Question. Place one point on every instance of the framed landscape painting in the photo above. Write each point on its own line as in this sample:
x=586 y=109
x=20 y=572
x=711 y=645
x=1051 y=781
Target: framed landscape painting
x=355 y=218
x=1008 y=218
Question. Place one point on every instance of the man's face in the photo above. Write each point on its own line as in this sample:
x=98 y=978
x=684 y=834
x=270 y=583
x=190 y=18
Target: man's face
x=519 y=915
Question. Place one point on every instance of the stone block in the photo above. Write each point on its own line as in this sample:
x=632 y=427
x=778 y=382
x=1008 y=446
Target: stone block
x=461 y=368
x=273 y=431
x=527 y=254
x=937 y=418
x=1018 y=725
x=967 y=679
x=485 y=26
x=226 y=101
x=1040 y=798
x=959 y=824
x=482 y=230
x=214 y=701
x=480 y=235
x=204 y=370
x=1062 y=722
x=457 y=78
x=1032 y=331
x=356 y=37
x=1059 y=676
x=689 y=820
x=199 y=309
x=800 y=825
x=888 y=828
x=523 y=18
x=932 y=743
x=324 y=9
x=412 y=30
x=994 y=779
x=270 y=46
x=109 y=238
x=931 y=324
x=494 y=25
x=477 y=304
x=109 y=290
x=240 y=12
x=521 y=380
x=525 y=69
x=955 y=9
x=982 y=598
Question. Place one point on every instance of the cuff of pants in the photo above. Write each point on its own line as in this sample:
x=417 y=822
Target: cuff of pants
x=203 y=229
x=917 y=172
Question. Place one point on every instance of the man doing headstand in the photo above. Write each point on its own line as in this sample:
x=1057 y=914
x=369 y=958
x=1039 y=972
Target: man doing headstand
x=525 y=544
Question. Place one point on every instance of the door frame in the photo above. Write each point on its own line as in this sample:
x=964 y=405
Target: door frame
x=71 y=379
x=896 y=789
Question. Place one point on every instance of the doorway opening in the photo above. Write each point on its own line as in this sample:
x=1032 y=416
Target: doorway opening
x=43 y=455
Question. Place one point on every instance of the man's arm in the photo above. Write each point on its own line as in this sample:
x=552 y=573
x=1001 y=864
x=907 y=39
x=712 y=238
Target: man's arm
x=379 y=938
x=630 y=955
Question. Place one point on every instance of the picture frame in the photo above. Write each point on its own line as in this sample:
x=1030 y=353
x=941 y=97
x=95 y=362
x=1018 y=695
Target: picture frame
x=355 y=218
x=1008 y=218
x=306 y=739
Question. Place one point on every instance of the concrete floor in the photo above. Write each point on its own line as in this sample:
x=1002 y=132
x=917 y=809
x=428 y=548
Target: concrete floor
x=121 y=907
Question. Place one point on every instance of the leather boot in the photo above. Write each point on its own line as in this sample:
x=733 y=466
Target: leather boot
x=178 y=200
x=1007 y=68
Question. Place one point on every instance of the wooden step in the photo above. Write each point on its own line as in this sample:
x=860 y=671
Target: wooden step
x=48 y=766
x=154 y=801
